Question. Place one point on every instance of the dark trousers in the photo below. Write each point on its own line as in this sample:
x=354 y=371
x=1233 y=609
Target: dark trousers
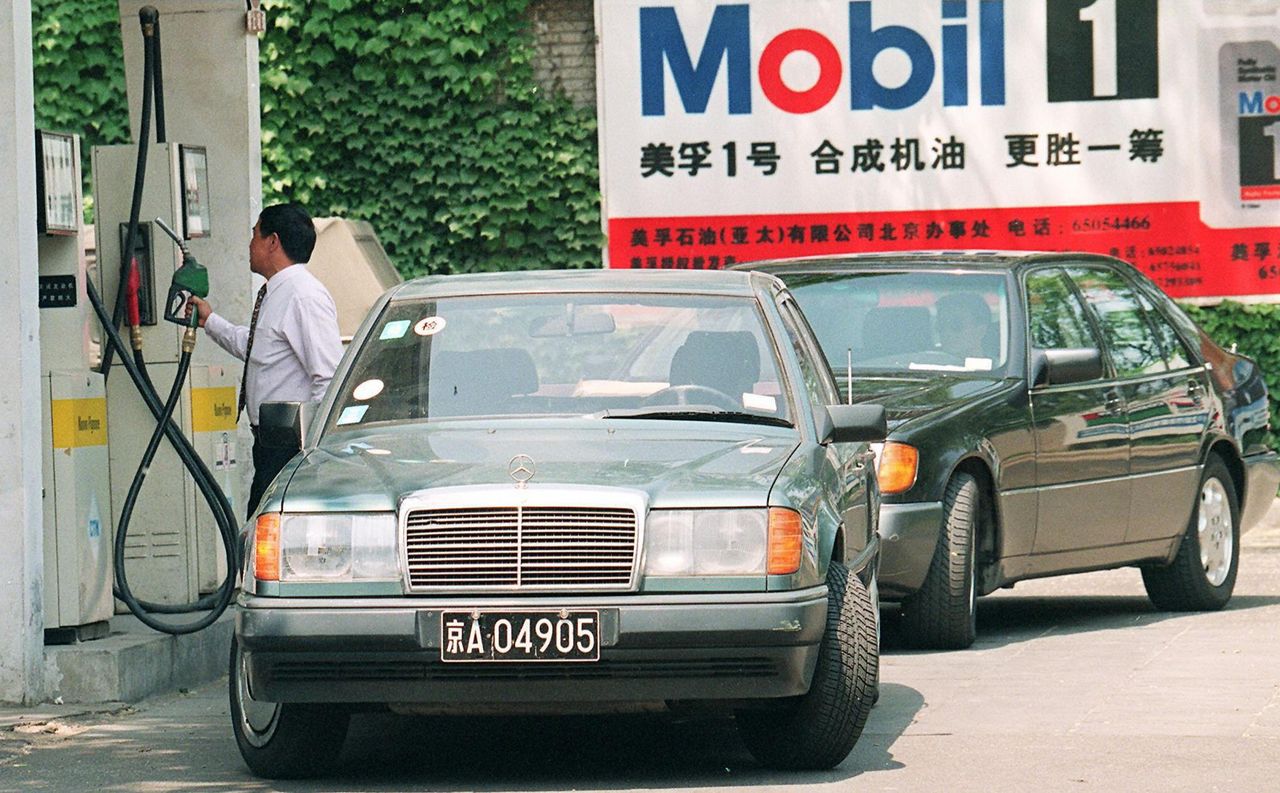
x=267 y=462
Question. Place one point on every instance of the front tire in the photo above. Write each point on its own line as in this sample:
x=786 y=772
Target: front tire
x=943 y=613
x=1203 y=574
x=818 y=729
x=283 y=740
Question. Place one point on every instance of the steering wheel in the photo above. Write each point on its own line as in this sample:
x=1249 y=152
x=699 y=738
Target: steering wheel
x=691 y=394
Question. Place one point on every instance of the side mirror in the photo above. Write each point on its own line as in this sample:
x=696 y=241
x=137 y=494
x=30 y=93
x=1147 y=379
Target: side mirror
x=285 y=425
x=1066 y=366
x=852 y=424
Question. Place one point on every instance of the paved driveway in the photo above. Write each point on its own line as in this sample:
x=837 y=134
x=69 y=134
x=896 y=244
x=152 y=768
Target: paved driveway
x=1075 y=684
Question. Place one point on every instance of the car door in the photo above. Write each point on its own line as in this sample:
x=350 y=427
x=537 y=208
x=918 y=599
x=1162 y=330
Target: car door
x=1081 y=435
x=852 y=461
x=1165 y=398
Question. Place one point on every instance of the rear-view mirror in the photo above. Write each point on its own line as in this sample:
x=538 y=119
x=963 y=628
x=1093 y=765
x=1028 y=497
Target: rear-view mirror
x=1066 y=366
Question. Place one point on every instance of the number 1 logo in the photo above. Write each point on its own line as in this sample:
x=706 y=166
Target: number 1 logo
x=1101 y=50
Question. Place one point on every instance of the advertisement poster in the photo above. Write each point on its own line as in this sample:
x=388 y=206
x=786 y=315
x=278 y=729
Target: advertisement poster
x=1144 y=129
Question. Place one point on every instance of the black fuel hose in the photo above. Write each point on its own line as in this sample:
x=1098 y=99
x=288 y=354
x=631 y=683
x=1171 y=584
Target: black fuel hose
x=214 y=603
x=147 y=17
x=208 y=486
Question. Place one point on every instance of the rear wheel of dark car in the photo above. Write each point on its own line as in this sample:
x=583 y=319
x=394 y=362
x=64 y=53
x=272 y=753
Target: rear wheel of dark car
x=943 y=613
x=283 y=740
x=819 y=729
x=1203 y=574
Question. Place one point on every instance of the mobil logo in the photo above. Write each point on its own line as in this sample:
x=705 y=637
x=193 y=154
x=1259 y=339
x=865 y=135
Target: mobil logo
x=1255 y=103
x=727 y=47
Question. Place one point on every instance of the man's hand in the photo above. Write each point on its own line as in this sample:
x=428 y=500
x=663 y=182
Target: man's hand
x=202 y=308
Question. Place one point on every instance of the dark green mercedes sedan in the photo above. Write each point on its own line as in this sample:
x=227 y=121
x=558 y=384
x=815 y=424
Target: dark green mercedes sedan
x=567 y=492
x=1049 y=414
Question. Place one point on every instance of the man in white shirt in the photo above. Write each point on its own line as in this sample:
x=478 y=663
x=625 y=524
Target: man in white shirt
x=291 y=345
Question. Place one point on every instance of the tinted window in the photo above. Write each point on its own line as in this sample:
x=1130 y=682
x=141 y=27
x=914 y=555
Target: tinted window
x=1175 y=352
x=817 y=380
x=1134 y=348
x=561 y=354
x=907 y=321
x=1056 y=316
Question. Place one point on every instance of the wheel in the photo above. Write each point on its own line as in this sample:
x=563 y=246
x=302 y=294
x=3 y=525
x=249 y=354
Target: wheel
x=690 y=394
x=283 y=740
x=1203 y=574
x=818 y=729
x=943 y=613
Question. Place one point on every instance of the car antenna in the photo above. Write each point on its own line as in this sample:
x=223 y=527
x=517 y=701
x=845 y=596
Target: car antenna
x=848 y=374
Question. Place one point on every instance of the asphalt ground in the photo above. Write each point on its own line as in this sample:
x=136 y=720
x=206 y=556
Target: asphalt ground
x=1075 y=684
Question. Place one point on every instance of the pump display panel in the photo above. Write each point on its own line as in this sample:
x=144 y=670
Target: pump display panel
x=57 y=183
x=195 y=192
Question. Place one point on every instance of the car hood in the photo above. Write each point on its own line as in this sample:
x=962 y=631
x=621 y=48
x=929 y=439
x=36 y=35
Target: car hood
x=907 y=398
x=677 y=463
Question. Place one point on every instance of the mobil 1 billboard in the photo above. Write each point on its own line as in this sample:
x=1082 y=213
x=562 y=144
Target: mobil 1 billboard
x=1145 y=129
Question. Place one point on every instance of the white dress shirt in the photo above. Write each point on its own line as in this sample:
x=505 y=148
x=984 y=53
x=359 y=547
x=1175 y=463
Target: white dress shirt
x=296 y=345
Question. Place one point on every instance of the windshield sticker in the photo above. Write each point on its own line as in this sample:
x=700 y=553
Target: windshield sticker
x=979 y=364
x=429 y=326
x=760 y=402
x=367 y=390
x=394 y=330
x=352 y=415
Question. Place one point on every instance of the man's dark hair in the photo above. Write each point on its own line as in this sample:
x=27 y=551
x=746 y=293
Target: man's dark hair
x=293 y=224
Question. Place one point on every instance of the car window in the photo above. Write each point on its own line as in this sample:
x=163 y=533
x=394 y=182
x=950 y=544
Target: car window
x=946 y=321
x=1175 y=351
x=1055 y=315
x=562 y=354
x=1135 y=351
x=818 y=384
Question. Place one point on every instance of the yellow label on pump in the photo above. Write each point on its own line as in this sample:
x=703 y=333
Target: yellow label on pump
x=79 y=422
x=213 y=409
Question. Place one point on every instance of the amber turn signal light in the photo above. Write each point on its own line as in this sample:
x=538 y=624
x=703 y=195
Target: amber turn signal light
x=897 y=469
x=266 y=548
x=786 y=533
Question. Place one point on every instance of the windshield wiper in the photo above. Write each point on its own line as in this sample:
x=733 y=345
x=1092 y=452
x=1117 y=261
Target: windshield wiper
x=694 y=414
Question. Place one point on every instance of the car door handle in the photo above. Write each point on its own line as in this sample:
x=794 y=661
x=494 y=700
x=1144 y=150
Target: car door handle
x=1113 y=403
x=1195 y=391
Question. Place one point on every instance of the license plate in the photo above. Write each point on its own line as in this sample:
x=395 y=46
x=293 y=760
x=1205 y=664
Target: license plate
x=521 y=636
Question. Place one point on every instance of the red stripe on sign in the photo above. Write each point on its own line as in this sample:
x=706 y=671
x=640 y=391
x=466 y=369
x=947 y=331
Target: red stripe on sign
x=1260 y=193
x=1167 y=241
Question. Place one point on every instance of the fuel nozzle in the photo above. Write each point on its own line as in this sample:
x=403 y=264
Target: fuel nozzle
x=190 y=279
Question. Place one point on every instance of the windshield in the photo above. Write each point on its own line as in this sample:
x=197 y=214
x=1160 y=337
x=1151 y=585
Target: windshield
x=908 y=321
x=565 y=354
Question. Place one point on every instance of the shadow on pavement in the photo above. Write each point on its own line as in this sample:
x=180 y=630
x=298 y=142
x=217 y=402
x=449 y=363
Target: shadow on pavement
x=1009 y=619
x=388 y=751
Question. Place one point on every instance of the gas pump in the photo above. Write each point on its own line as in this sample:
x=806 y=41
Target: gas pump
x=156 y=547
x=77 y=496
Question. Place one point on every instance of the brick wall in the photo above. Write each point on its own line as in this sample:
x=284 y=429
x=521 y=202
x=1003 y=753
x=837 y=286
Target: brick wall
x=566 y=39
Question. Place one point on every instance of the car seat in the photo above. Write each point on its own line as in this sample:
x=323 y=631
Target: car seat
x=727 y=361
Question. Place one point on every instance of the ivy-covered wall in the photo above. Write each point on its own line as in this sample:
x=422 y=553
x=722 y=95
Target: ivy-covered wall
x=423 y=118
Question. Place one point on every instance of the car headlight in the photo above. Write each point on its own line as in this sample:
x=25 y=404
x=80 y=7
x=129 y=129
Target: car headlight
x=328 y=547
x=683 y=542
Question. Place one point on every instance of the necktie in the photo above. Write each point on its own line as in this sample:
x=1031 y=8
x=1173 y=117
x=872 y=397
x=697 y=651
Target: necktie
x=253 y=325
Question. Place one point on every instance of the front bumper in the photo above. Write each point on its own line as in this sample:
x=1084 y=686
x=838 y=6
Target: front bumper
x=1262 y=477
x=908 y=535
x=653 y=648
